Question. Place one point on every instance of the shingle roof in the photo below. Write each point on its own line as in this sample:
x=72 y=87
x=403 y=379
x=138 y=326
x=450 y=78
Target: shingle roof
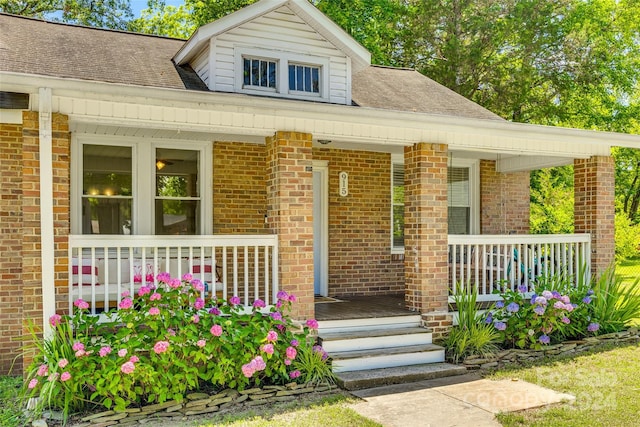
x=407 y=90
x=33 y=46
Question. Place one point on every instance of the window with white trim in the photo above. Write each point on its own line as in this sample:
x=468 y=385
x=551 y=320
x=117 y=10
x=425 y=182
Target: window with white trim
x=139 y=188
x=259 y=73
x=462 y=199
x=304 y=78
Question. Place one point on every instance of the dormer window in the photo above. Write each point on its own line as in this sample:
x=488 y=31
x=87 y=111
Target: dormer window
x=259 y=73
x=304 y=78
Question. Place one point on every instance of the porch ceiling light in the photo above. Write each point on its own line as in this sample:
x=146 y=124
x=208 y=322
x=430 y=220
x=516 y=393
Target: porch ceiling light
x=160 y=164
x=324 y=141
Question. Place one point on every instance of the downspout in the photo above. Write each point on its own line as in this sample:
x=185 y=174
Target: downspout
x=47 y=247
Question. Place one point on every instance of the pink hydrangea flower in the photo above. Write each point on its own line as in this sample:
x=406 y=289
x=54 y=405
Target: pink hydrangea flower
x=565 y=299
x=198 y=304
x=128 y=367
x=216 y=330
x=104 y=351
x=55 y=320
x=80 y=353
x=62 y=363
x=161 y=347
x=276 y=315
x=282 y=295
x=33 y=383
x=163 y=277
x=215 y=311
x=197 y=285
x=312 y=323
x=287 y=362
x=291 y=353
x=171 y=332
x=187 y=277
x=125 y=294
x=154 y=311
x=195 y=318
x=234 y=300
x=66 y=376
x=43 y=370
x=126 y=304
x=77 y=346
x=294 y=374
x=247 y=370
x=122 y=352
x=258 y=363
x=201 y=343
x=155 y=296
x=259 y=304
x=558 y=305
x=134 y=359
x=175 y=283
x=144 y=290
x=267 y=348
x=292 y=298
x=294 y=343
x=272 y=336
x=81 y=304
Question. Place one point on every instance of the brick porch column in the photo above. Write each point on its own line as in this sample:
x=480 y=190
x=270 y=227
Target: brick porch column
x=594 y=211
x=290 y=214
x=426 y=234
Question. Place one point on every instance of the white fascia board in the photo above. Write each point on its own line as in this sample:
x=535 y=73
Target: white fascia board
x=360 y=56
x=331 y=121
x=528 y=163
x=200 y=37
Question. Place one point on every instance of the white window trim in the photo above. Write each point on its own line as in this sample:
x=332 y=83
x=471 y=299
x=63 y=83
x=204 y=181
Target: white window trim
x=474 y=196
x=282 y=60
x=143 y=159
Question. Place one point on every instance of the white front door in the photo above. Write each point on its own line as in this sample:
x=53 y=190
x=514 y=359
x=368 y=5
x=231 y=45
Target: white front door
x=320 y=229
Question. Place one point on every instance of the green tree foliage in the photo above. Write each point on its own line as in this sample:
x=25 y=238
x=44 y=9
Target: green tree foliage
x=163 y=20
x=94 y=13
x=552 y=200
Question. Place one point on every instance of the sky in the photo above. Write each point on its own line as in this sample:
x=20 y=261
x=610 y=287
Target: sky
x=138 y=5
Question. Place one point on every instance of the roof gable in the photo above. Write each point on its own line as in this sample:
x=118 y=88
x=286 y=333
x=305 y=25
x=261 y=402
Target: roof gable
x=360 y=57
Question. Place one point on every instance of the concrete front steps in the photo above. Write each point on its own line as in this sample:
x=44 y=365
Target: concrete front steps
x=380 y=351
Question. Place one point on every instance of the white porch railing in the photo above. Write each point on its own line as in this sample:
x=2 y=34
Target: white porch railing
x=489 y=262
x=101 y=268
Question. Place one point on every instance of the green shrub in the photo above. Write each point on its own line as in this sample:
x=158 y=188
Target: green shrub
x=627 y=237
x=473 y=335
x=617 y=304
x=163 y=343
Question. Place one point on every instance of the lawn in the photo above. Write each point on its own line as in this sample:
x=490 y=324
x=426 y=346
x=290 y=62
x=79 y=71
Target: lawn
x=606 y=386
x=628 y=270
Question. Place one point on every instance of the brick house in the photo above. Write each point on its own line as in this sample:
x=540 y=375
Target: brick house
x=269 y=149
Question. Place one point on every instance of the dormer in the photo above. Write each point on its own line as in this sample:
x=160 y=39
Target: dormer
x=279 y=48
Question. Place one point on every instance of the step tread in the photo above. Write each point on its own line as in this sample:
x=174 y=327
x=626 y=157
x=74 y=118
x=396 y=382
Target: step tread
x=357 y=380
x=409 y=318
x=421 y=348
x=373 y=333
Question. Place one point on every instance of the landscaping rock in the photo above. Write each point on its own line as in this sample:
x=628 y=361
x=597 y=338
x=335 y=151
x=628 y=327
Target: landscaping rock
x=39 y=423
x=197 y=396
x=222 y=400
x=250 y=391
x=115 y=417
x=203 y=411
x=159 y=406
x=174 y=408
x=98 y=415
x=201 y=402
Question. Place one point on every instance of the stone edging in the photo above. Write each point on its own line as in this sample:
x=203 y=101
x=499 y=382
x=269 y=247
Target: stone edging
x=567 y=348
x=200 y=403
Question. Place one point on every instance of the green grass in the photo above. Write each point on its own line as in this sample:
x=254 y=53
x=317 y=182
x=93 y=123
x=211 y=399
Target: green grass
x=10 y=412
x=606 y=385
x=628 y=269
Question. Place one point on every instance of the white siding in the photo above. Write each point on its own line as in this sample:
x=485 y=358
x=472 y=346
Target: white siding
x=281 y=32
x=201 y=65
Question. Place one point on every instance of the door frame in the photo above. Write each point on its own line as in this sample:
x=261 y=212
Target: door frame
x=322 y=166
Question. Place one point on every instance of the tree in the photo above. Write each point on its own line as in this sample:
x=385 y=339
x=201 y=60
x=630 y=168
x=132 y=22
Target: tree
x=93 y=13
x=163 y=20
x=552 y=201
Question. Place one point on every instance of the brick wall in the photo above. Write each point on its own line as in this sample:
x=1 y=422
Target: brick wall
x=360 y=260
x=594 y=193
x=504 y=200
x=290 y=213
x=239 y=188
x=10 y=244
x=426 y=228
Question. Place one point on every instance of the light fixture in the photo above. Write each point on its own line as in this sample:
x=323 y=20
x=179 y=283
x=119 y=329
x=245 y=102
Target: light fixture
x=324 y=141
x=160 y=164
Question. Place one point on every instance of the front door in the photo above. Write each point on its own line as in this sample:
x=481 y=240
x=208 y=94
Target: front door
x=320 y=229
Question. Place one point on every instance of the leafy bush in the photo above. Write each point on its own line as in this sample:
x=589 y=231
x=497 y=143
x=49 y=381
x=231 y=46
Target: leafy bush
x=562 y=310
x=617 y=304
x=473 y=335
x=627 y=237
x=162 y=343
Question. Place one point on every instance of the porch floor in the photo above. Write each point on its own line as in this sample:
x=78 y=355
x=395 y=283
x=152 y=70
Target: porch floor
x=361 y=307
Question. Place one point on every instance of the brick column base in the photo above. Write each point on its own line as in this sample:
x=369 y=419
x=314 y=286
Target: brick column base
x=440 y=323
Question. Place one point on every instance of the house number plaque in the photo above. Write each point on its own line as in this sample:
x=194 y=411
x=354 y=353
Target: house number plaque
x=344 y=184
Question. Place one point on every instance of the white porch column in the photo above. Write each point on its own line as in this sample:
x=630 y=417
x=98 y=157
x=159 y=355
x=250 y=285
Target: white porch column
x=46 y=209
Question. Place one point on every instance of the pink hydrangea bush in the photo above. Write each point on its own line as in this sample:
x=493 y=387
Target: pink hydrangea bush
x=164 y=341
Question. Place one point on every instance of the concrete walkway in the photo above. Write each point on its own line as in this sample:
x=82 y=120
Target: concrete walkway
x=465 y=400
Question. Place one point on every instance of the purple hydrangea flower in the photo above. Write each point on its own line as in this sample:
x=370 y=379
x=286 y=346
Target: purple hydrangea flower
x=544 y=339
x=534 y=297
x=565 y=320
x=590 y=292
x=523 y=288
x=593 y=327
x=499 y=304
x=513 y=307
x=501 y=326
x=586 y=300
x=540 y=301
x=539 y=310
x=547 y=295
x=556 y=294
